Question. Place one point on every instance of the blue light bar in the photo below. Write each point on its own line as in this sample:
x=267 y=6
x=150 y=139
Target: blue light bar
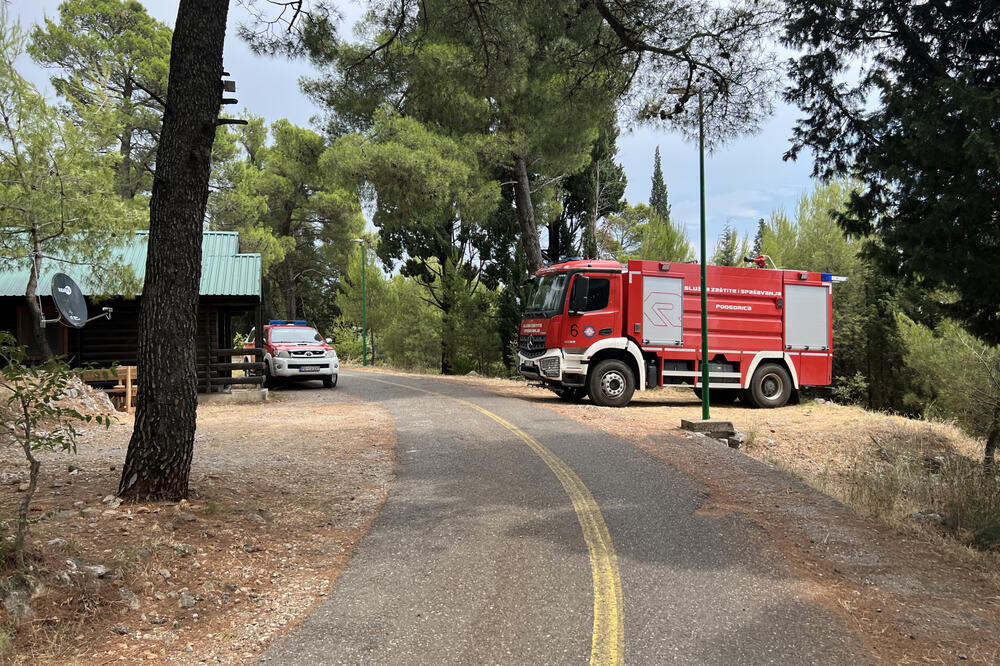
x=276 y=322
x=826 y=277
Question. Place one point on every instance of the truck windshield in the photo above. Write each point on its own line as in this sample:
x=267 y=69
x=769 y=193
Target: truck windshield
x=295 y=335
x=547 y=295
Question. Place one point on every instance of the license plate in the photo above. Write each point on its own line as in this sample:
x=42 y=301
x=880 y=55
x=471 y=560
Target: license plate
x=308 y=368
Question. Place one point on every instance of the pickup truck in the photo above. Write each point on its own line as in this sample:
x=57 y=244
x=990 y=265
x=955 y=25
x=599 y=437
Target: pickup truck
x=295 y=351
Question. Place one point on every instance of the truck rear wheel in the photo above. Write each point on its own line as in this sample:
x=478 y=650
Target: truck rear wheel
x=771 y=386
x=611 y=384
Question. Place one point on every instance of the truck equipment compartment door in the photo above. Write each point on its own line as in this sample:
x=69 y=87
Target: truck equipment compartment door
x=662 y=310
x=806 y=317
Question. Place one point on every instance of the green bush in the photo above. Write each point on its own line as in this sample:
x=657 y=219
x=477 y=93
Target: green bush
x=853 y=391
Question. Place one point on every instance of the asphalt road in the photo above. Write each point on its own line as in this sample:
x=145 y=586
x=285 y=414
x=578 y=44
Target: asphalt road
x=513 y=535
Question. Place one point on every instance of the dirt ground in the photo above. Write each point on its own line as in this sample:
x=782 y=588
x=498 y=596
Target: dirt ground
x=280 y=500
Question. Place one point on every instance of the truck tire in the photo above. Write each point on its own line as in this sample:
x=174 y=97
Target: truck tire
x=330 y=381
x=570 y=393
x=770 y=387
x=268 y=377
x=611 y=384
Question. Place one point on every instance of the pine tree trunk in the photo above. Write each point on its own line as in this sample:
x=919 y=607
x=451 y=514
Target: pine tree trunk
x=126 y=189
x=555 y=242
x=989 y=457
x=447 y=320
x=526 y=216
x=30 y=295
x=158 y=461
x=288 y=272
x=288 y=291
x=590 y=241
x=22 y=513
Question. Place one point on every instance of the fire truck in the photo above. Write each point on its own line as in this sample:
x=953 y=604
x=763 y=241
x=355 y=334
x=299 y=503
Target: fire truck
x=597 y=328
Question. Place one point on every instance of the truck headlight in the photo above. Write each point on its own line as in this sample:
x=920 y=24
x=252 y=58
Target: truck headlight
x=331 y=354
x=283 y=354
x=549 y=366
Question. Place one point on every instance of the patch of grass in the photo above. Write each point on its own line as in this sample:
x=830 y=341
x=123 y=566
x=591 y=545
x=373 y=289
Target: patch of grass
x=226 y=635
x=130 y=557
x=214 y=509
x=6 y=643
x=910 y=471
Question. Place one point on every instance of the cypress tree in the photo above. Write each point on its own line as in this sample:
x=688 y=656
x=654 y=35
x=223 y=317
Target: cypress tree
x=658 y=193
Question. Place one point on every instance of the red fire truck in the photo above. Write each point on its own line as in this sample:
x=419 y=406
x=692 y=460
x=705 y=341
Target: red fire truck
x=602 y=329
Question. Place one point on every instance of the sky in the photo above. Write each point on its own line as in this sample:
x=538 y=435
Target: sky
x=746 y=179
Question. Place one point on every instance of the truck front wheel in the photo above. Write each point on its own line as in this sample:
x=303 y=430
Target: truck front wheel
x=611 y=384
x=771 y=386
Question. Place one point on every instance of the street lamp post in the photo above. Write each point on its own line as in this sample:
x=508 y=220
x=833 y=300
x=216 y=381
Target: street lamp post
x=364 y=323
x=704 y=273
x=704 y=251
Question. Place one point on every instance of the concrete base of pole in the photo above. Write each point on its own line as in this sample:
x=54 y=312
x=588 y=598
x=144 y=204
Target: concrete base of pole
x=716 y=428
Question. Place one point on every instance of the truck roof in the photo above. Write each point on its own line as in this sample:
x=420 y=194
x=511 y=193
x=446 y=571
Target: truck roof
x=570 y=264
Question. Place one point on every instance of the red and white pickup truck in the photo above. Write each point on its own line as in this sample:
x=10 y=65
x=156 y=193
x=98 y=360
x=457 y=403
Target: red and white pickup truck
x=294 y=350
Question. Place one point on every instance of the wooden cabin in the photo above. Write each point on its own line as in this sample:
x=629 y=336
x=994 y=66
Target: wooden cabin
x=229 y=302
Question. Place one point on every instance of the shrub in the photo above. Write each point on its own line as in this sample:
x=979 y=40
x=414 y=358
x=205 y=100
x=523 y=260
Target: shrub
x=853 y=391
x=38 y=422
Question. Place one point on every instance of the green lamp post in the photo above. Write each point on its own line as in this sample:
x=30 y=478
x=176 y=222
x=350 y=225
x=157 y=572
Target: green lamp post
x=704 y=273
x=364 y=323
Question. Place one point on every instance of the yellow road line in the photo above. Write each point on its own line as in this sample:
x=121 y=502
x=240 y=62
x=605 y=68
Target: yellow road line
x=608 y=644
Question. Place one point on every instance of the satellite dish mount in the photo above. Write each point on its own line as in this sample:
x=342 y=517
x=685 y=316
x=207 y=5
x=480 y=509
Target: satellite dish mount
x=71 y=304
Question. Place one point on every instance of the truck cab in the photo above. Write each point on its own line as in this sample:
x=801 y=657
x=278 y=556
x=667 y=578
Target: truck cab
x=575 y=312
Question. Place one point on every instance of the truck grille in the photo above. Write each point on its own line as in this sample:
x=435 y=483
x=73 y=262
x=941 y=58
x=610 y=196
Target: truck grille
x=531 y=346
x=549 y=366
x=307 y=353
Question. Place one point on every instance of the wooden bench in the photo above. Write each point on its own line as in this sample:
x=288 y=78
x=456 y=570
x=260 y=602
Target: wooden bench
x=125 y=387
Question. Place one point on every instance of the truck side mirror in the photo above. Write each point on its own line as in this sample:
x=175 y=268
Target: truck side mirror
x=578 y=297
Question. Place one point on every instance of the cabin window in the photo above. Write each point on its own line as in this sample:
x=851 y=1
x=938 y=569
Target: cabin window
x=598 y=294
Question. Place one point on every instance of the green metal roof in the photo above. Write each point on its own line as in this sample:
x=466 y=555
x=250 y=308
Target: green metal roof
x=224 y=271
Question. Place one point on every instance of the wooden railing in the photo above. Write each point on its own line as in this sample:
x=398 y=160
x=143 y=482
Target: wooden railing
x=220 y=371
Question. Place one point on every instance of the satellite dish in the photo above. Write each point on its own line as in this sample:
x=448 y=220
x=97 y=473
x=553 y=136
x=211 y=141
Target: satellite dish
x=69 y=300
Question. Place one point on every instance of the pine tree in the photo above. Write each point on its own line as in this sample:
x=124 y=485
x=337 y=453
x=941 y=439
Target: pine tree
x=731 y=248
x=57 y=202
x=916 y=125
x=111 y=55
x=661 y=239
